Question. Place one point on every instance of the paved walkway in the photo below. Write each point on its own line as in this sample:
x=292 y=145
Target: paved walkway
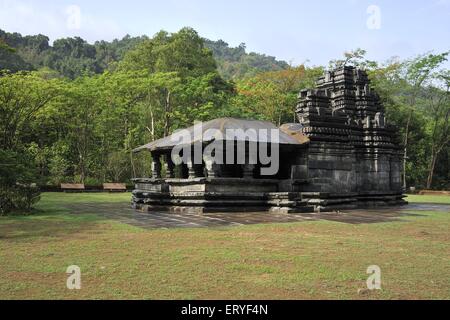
x=123 y=213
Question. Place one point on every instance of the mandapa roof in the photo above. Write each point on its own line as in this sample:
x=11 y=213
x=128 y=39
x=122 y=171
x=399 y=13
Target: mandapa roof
x=225 y=129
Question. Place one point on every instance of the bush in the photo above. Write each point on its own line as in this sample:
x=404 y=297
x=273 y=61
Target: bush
x=19 y=198
x=17 y=192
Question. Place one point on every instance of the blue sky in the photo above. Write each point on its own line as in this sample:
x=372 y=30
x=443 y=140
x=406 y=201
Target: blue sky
x=295 y=31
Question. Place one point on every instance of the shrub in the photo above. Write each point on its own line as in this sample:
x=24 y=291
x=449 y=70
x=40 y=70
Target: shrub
x=17 y=192
x=19 y=198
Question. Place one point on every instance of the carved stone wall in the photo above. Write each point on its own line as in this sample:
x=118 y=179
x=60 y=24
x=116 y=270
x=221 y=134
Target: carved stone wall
x=352 y=148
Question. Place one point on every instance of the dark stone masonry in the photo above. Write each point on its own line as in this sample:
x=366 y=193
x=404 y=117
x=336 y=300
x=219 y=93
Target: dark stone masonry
x=341 y=154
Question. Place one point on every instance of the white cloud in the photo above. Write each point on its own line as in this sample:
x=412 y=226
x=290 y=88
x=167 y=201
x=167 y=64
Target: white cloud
x=97 y=28
x=55 y=22
x=23 y=17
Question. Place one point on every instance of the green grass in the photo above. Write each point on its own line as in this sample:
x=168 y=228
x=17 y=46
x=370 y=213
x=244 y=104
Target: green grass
x=315 y=259
x=62 y=197
x=443 y=199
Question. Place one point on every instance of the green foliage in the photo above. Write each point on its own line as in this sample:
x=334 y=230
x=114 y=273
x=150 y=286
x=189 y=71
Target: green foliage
x=15 y=167
x=5 y=47
x=74 y=57
x=70 y=57
x=10 y=60
x=17 y=192
x=18 y=199
x=271 y=96
x=182 y=52
x=354 y=58
x=22 y=96
x=416 y=98
x=236 y=63
x=58 y=163
x=420 y=70
x=79 y=115
x=84 y=130
x=186 y=85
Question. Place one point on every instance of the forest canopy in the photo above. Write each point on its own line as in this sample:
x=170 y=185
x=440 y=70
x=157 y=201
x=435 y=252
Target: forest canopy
x=73 y=57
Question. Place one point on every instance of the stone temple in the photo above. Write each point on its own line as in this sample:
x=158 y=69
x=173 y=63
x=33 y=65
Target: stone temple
x=340 y=155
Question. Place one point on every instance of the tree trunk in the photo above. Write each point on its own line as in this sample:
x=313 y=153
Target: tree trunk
x=152 y=125
x=405 y=155
x=82 y=171
x=167 y=110
x=132 y=164
x=434 y=156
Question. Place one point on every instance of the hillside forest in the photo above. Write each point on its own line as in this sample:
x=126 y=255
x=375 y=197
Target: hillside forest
x=73 y=111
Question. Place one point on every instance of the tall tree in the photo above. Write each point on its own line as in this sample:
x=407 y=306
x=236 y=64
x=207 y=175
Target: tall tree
x=176 y=63
x=356 y=58
x=419 y=71
x=22 y=95
x=272 y=96
x=438 y=105
x=182 y=52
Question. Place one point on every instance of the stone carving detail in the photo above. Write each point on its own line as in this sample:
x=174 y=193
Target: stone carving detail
x=379 y=120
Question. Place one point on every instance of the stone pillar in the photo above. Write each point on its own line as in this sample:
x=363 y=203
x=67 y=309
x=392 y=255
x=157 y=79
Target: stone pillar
x=183 y=170
x=169 y=166
x=250 y=160
x=191 y=170
x=156 y=166
x=212 y=169
x=247 y=170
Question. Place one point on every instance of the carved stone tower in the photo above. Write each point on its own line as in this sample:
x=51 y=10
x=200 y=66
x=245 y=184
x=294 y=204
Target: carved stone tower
x=354 y=156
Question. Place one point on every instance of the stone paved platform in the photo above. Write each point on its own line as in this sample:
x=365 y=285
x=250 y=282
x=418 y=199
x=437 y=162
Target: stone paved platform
x=150 y=220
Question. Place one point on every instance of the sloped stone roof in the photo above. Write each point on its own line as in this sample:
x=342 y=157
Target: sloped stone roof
x=239 y=127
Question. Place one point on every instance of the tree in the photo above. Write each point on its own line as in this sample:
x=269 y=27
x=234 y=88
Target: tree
x=123 y=119
x=236 y=63
x=272 y=96
x=182 y=52
x=414 y=102
x=10 y=60
x=439 y=111
x=73 y=57
x=79 y=103
x=22 y=95
x=418 y=72
x=354 y=58
x=263 y=100
x=17 y=193
x=176 y=64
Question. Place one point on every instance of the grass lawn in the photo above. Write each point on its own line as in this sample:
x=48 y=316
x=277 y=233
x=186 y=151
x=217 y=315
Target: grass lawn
x=312 y=259
x=415 y=198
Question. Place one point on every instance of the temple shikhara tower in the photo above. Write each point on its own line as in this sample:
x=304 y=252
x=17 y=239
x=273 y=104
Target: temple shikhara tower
x=354 y=156
x=342 y=154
